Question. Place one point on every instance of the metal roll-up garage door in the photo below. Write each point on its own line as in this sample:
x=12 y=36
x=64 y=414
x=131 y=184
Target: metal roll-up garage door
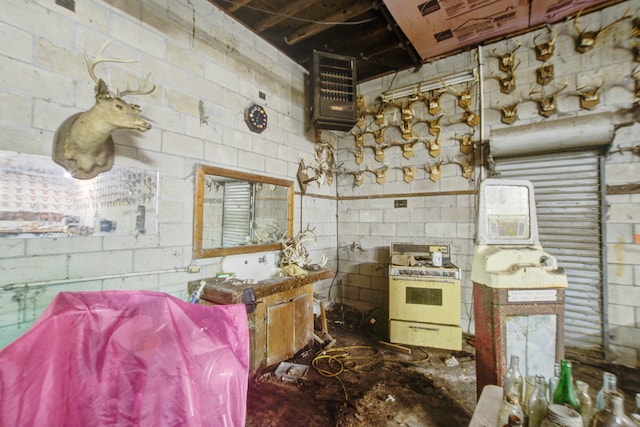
x=568 y=204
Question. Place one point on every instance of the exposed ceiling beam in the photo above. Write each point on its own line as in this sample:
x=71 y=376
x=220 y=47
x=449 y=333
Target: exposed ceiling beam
x=341 y=16
x=237 y=4
x=292 y=9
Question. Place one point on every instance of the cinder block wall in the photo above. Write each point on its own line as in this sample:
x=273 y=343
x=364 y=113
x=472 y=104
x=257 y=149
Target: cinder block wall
x=444 y=211
x=194 y=53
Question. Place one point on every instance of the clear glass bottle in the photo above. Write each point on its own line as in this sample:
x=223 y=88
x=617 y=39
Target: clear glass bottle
x=565 y=393
x=510 y=406
x=562 y=416
x=636 y=415
x=609 y=382
x=529 y=387
x=512 y=381
x=538 y=403
x=553 y=381
x=586 y=404
x=613 y=413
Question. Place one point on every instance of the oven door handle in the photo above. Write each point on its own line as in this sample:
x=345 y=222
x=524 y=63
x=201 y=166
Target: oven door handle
x=424 y=328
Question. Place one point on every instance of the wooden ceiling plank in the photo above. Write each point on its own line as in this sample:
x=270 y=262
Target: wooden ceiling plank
x=341 y=16
x=237 y=4
x=291 y=9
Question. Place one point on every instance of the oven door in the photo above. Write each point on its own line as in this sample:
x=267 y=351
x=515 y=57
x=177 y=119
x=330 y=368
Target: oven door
x=419 y=299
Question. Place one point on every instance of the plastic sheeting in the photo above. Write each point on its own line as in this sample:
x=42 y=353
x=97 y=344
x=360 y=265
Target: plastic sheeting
x=119 y=358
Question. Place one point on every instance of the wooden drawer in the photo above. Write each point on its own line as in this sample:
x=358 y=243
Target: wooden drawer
x=425 y=334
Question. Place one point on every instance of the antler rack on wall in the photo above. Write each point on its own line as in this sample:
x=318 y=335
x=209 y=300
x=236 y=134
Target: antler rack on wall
x=429 y=85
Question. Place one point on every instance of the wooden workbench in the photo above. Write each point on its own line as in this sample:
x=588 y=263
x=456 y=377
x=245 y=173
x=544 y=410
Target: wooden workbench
x=281 y=324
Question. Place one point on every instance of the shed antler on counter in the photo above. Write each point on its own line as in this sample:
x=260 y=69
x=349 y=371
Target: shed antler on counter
x=83 y=144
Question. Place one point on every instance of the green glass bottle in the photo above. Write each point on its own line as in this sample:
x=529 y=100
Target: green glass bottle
x=565 y=393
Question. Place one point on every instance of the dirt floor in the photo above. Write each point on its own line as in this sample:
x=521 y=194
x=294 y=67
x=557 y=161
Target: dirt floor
x=360 y=381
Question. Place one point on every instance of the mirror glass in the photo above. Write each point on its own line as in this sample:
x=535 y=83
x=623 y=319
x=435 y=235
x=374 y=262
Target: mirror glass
x=238 y=212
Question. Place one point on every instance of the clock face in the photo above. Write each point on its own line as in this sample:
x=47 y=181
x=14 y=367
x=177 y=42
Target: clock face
x=256 y=118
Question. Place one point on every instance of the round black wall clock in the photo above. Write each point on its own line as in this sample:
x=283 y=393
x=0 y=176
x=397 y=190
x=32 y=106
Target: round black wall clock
x=256 y=118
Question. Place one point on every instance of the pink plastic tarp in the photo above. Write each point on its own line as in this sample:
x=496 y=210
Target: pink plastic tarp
x=119 y=358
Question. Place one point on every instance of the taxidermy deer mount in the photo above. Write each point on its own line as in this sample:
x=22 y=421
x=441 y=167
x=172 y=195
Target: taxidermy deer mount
x=587 y=39
x=83 y=144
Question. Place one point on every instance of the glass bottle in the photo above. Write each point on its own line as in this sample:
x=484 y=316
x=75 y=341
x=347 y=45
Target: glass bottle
x=609 y=382
x=613 y=413
x=561 y=416
x=553 y=381
x=513 y=421
x=565 y=393
x=636 y=415
x=510 y=406
x=586 y=404
x=512 y=382
x=529 y=387
x=538 y=403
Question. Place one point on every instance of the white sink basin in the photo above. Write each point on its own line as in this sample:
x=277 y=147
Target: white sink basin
x=256 y=266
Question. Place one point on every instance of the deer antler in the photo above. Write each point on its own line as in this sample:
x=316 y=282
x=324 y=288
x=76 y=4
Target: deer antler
x=466 y=142
x=589 y=98
x=435 y=171
x=380 y=173
x=509 y=112
x=467 y=168
x=587 y=39
x=92 y=63
x=407 y=147
x=432 y=100
x=544 y=51
x=432 y=145
x=408 y=173
x=547 y=104
x=506 y=61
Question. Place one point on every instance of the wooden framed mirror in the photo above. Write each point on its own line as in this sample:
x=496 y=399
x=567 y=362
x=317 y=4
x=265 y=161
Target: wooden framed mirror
x=239 y=212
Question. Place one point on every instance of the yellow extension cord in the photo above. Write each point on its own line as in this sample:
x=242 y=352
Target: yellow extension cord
x=333 y=362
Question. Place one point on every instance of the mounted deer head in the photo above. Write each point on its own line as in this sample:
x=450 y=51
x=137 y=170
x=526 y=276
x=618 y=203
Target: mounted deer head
x=432 y=145
x=509 y=113
x=358 y=153
x=408 y=173
x=435 y=171
x=467 y=168
x=547 y=103
x=434 y=126
x=358 y=139
x=587 y=39
x=83 y=143
x=464 y=97
x=407 y=148
x=544 y=74
x=466 y=143
x=544 y=51
x=635 y=27
x=380 y=173
x=506 y=61
x=636 y=81
x=508 y=82
x=378 y=151
x=432 y=101
x=469 y=118
x=635 y=50
x=590 y=98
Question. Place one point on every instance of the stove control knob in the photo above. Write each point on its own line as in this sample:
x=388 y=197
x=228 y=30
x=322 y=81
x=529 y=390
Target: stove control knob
x=546 y=261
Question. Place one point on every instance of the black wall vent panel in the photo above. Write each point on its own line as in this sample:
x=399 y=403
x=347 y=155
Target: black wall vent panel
x=333 y=80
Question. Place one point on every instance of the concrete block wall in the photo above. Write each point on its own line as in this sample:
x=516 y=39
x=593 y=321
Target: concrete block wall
x=195 y=54
x=444 y=211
